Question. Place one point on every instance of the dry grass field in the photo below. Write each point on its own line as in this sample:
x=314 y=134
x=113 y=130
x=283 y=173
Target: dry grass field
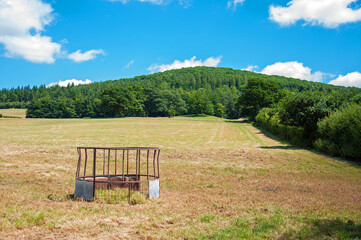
x=220 y=179
x=18 y=113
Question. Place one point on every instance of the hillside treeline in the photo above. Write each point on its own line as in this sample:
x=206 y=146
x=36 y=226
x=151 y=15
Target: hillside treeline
x=187 y=79
x=136 y=101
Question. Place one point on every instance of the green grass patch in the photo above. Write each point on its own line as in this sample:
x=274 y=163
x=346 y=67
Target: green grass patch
x=10 y=117
x=207 y=218
x=29 y=219
x=119 y=195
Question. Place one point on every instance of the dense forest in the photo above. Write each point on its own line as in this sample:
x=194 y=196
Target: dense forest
x=306 y=113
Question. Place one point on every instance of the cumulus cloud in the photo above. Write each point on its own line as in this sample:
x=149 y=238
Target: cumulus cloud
x=349 y=80
x=251 y=68
x=37 y=49
x=65 y=83
x=327 y=13
x=295 y=70
x=155 y=2
x=86 y=56
x=21 y=24
x=234 y=3
x=210 y=62
x=18 y=16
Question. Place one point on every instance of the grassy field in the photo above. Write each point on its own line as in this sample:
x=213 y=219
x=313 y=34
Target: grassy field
x=220 y=179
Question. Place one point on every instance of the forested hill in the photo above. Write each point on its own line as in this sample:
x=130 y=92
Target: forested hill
x=209 y=77
x=187 y=79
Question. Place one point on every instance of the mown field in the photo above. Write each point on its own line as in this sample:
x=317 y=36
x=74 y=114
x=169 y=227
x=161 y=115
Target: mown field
x=220 y=179
x=17 y=113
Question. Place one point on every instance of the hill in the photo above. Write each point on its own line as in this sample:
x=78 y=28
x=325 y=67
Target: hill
x=186 y=78
x=215 y=85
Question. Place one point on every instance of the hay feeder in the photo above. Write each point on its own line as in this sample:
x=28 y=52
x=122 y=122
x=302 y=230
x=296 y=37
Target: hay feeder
x=109 y=168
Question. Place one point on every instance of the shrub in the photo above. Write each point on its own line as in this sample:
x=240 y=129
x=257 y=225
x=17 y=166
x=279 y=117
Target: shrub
x=1 y=115
x=305 y=110
x=340 y=133
x=269 y=120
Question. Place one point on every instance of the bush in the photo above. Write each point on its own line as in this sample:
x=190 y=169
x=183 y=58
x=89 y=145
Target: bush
x=340 y=133
x=305 y=110
x=269 y=120
x=1 y=115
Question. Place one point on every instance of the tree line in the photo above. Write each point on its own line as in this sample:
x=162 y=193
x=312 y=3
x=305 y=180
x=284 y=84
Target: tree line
x=136 y=101
x=186 y=79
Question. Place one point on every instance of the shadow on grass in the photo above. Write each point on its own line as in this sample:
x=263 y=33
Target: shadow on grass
x=195 y=115
x=71 y=197
x=281 y=147
x=61 y=198
x=326 y=229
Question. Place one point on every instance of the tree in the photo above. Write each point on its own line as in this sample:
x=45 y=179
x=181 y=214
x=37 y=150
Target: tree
x=220 y=110
x=121 y=101
x=160 y=102
x=199 y=102
x=257 y=94
x=171 y=112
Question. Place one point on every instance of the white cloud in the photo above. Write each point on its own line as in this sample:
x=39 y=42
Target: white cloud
x=327 y=13
x=21 y=24
x=234 y=3
x=155 y=2
x=18 y=16
x=37 y=49
x=86 y=56
x=297 y=70
x=184 y=3
x=129 y=64
x=210 y=62
x=294 y=70
x=69 y=82
x=251 y=68
x=349 y=80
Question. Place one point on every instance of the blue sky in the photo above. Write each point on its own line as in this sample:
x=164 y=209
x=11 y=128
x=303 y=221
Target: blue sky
x=47 y=41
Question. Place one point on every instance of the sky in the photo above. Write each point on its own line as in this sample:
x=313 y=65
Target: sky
x=48 y=42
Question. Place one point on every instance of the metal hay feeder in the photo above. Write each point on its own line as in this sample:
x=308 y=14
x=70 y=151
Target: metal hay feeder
x=108 y=168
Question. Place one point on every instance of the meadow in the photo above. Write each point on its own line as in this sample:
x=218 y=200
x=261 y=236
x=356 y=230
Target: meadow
x=220 y=179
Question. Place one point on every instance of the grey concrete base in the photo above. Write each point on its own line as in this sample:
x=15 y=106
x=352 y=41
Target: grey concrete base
x=84 y=189
x=154 y=188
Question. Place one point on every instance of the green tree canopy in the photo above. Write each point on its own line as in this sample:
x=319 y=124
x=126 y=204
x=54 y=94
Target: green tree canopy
x=257 y=94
